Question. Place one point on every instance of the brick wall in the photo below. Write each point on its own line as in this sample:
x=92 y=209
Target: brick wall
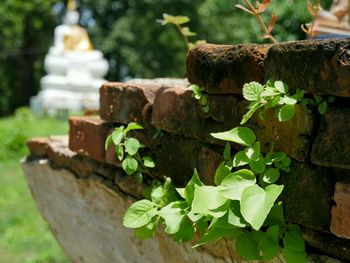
x=317 y=191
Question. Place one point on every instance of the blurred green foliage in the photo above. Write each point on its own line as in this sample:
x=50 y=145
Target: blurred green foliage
x=127 y=33
x=24 y=236
x=15 y=130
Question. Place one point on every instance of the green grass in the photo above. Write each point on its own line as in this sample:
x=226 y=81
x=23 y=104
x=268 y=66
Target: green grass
x=24 y=235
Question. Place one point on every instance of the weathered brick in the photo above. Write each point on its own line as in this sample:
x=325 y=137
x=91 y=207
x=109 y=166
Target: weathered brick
x=38 y=146
x=124 y=103
x=340 y=224
x=176 y=111
x=332 y=145
x=307 y=196
x=87 y=136
x=319 y=67
x=161 y=82
x=224 y=69
x=327 y=244
x=292 y=137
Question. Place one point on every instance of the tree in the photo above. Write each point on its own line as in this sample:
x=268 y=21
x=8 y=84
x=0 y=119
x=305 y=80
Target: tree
x=26 y=29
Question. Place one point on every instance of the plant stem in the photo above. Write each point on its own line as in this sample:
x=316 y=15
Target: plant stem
x=229 y=250
x=144 y=168
x=261 y=22
x=185 y=38
x=318 y=4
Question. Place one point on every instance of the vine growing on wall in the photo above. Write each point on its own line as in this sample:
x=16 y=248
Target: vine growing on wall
x=243 y=204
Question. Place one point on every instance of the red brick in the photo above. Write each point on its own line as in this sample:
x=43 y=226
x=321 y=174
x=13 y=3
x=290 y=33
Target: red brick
x=87 y=136
x=161 y=82
x=340 y=224
x=332 y=145
x=176 y=111
x=292 y=137
x=319 y=67
x=124 y=103
x=307 y=196
x=224 y=69
x=38 y=146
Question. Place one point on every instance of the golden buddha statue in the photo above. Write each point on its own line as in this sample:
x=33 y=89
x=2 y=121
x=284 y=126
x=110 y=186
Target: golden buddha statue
x=335 y=21
x=70 y=36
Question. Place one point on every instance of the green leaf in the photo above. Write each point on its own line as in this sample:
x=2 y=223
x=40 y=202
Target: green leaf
x=240 y=159
x=318 y=99
x=275 y=157
x=117 y=136
x=256 y=203
x=232 y=219
x=177 y=20
x=148 y=162
x=157 y=195
x=119 y=150
x=133 y=126
x=286 y=112
x=330 y=99
x=161 y=195
x=129 y=165
x=187 y=32
x=233 y=185
x=270 y=92
x=138 y=177
x=108 y=141
x=139 y=214
x=131 y=146
x=221 y=172
x=294 y=256
x=253 y=152
x=206 y=199
x=206 y=108
x=235 y=217
x=281 y=86
x=323 y=107
x=189 y=189
x=276 y=216
x=293 y=241
x=288 y=100
x=227 y=152
x=203 y=100
x=185 y=233
x=247 y=246
x=258 y=166
x=241 y=135
x=251 y=91
x=286 y=161
x=173 y=214
x=252 y=109
x=147 y=231
x=271 y=175
x=269 y=243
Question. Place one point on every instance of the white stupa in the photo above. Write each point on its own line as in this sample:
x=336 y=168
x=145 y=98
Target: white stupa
x=75 y=70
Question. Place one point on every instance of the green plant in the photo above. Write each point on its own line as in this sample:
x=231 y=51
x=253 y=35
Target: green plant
x=274 y=94
x=317 y=101
x=243 y=203
x=127 y=151
x=185 y=32
x=198 y=93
